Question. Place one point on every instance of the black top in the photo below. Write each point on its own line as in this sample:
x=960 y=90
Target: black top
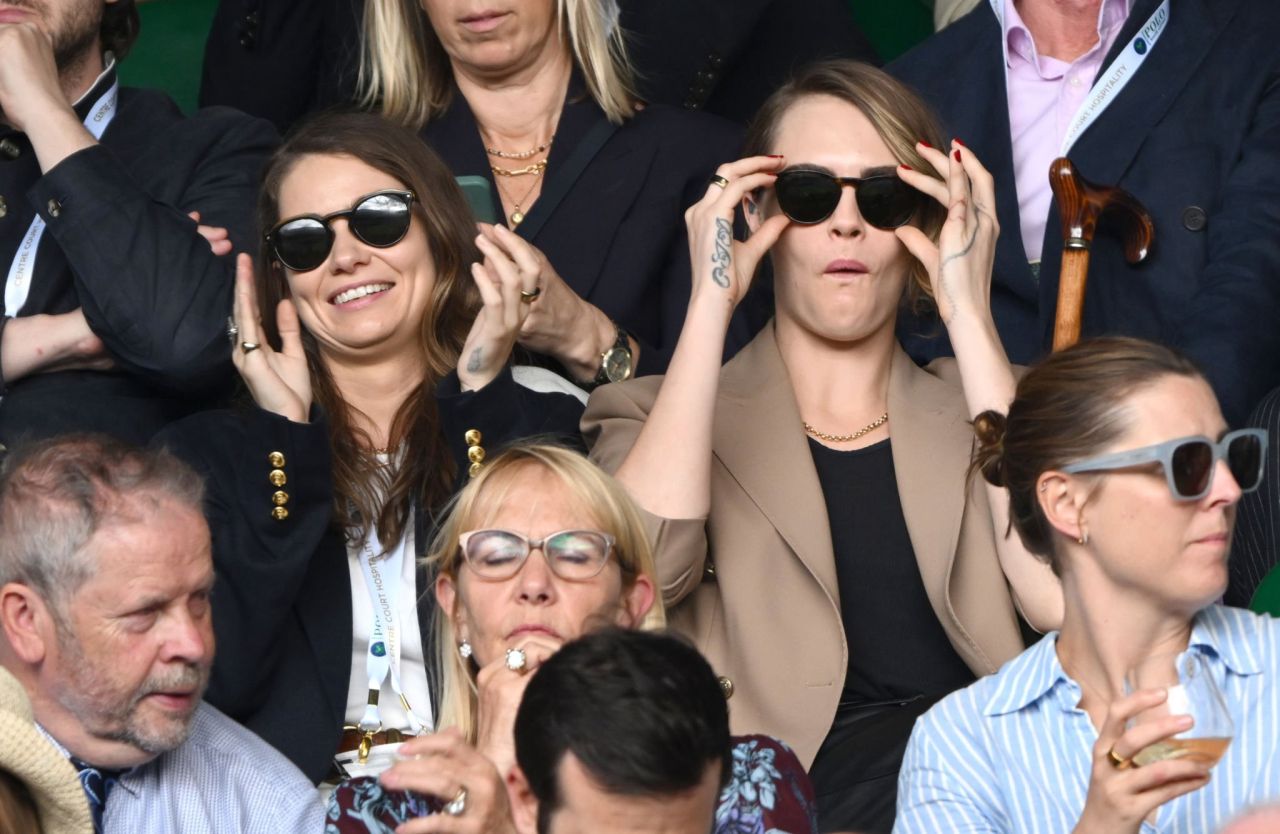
x=897 y=648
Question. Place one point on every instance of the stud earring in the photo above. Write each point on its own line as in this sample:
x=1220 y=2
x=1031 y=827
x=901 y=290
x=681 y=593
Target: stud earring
x=1084 y=538
x=464 y=649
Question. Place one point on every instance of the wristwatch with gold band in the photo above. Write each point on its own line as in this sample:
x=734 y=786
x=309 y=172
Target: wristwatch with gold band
x=615 y=363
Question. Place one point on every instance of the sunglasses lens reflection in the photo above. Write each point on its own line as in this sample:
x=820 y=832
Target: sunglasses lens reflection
x=382 y=220
x=302 y=244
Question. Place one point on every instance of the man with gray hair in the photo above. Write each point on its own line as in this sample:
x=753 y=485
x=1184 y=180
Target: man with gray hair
x=105 y=580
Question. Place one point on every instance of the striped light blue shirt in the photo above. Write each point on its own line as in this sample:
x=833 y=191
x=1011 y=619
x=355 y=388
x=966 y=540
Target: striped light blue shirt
x=222 y=780
x=1013 y=753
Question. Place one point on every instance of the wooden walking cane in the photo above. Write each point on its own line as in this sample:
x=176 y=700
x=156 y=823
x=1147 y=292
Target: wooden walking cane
x=1081 y=204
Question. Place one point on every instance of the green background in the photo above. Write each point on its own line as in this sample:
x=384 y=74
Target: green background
x=168 y=54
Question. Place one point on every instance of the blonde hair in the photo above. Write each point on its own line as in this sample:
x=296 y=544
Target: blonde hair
x=405 y=73
x=610 y=509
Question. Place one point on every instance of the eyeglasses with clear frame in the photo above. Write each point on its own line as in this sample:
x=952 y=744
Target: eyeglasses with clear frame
x=575 y=555
x=1190 y=462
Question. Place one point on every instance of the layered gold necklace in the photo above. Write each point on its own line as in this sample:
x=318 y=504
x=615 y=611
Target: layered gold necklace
x=535 y=169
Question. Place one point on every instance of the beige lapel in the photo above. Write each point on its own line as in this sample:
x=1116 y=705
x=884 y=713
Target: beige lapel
x=758 y=437
x=932 y=443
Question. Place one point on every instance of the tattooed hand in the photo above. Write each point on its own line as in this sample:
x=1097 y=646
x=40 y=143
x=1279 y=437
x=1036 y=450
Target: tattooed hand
x=500 y=280
x=960 y=263
x=722 y=267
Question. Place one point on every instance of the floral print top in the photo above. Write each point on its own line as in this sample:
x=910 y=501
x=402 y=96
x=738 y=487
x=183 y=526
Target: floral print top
x=768 y=792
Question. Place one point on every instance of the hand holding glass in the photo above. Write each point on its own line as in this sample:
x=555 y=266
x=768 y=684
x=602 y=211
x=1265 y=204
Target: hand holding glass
x=1192 y=691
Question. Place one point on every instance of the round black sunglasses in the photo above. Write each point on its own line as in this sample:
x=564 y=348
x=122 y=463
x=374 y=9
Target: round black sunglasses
x=379 y=219
x=809 y=197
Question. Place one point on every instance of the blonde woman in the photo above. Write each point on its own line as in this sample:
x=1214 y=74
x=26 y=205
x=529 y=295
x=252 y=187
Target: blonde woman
x=536 y=102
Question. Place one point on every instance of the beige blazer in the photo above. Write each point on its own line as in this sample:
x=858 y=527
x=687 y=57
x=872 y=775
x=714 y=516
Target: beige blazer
x=754 y=585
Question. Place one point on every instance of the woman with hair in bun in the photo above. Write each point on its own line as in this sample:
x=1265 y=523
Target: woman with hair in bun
x=1123 y=477
x=817 y=535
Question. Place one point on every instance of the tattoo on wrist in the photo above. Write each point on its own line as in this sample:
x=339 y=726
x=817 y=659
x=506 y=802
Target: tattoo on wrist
x=723 y=254
x=473 y=363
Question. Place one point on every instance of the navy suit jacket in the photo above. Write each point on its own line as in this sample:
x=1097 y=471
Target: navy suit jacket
x=1195 y=136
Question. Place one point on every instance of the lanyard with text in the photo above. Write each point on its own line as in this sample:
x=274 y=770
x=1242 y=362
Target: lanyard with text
x=1114 y=77
x=382 y=575
x=18 y=285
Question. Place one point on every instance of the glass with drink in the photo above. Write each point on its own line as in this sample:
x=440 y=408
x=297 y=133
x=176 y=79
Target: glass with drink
x=1192 y=691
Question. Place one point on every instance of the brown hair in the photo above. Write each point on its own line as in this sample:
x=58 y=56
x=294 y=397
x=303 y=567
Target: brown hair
x=119 y=28
x=366 y=491
x=608 y=506
x=900 y=117
x=1069 y=407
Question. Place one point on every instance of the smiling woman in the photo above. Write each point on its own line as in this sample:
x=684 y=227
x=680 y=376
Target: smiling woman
x=381 y=375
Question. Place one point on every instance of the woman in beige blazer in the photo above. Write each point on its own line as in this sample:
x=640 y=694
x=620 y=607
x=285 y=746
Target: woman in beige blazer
x=760 y=533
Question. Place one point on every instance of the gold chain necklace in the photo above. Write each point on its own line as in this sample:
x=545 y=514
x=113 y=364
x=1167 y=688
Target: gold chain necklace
x=535 y=168
x=847 y=438
x=520 y=154
x=517 y=217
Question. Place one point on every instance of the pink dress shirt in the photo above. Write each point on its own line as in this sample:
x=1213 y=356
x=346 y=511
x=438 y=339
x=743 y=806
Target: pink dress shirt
x=1044 y=93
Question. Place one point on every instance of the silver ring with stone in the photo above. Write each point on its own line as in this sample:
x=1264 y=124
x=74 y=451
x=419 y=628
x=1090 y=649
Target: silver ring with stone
x=517 y=661
x=233 y=332
x=458 y=805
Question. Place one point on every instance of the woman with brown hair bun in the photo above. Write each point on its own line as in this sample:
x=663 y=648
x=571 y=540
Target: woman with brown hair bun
x=1123 y=476
x=816 y=532
x=380 y=374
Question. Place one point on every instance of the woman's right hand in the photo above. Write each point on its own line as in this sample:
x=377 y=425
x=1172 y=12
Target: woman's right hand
x=279 y=381
x=723 y=267
x=442 y=765
x=498 y=694
x=1120 y=798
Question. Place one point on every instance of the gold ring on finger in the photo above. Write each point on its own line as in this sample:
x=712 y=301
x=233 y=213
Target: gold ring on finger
x=1117 y=761
x=719 y=180
x=531 y=296
x=249 y=347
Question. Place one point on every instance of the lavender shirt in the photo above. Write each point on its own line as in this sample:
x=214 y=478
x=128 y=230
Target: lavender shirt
x=1044 y=93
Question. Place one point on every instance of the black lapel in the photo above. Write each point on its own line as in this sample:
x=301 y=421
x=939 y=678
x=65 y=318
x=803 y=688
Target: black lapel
x=424 y=530
x=324 y=610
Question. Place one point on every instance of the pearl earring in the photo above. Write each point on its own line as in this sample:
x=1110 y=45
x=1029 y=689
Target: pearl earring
x=464 y=649
x=1084 y=538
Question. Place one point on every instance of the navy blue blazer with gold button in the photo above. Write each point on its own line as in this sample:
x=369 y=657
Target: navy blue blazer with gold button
x=1195 y=136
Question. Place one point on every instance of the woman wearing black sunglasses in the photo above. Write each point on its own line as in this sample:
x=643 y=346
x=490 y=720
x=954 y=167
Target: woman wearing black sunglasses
x=1122 y=475
x=380 y=373
x=818 y=535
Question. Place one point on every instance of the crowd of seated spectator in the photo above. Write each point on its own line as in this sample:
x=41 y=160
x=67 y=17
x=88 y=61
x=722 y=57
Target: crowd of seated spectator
x=512 y=446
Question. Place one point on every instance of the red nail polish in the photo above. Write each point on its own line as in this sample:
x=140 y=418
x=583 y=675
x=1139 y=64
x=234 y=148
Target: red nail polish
x=774 y=155
x=958 y=156
x=958 y=142
x=904 y=166
x=926 y=144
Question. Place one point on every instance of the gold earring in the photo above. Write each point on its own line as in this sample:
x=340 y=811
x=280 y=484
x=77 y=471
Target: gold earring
x=1084 y=538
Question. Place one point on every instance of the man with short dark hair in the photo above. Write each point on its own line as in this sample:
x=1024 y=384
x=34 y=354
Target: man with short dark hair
x=115 y=305
x=105 y=577
x=621 y=731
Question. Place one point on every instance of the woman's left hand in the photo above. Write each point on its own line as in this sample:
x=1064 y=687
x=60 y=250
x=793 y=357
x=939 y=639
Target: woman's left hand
x=442 y=765
x=559 y=322
x=960 y=263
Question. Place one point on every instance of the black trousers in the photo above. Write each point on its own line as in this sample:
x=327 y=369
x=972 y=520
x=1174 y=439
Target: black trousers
x=855 y=774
